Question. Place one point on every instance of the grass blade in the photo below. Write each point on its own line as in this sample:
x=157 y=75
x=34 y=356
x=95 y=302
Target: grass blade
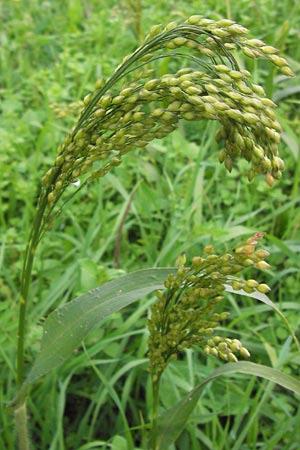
x=265 y=299
x=68 y=325
x=172 y=422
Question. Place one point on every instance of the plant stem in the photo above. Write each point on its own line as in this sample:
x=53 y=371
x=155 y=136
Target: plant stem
x=21 y=426
x=25 y=285
x=155 y=393
x=34 y=237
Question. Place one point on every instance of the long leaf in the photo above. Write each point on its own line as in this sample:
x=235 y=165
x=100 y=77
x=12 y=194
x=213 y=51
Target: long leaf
x=172 y=422
x=69 y=324
x=265 y=299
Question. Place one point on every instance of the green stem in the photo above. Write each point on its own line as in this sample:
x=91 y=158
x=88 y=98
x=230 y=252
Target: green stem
x=21 y=426
x=155 y=393
x=34 y=237
x=25 y=285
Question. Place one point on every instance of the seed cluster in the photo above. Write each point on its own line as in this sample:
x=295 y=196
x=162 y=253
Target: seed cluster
x=186 y=313
x=137 y=104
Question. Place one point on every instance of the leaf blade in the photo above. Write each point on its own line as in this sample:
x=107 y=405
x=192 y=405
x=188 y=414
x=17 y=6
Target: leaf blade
x=172 y=422
x=68 y=325
x=265 y=299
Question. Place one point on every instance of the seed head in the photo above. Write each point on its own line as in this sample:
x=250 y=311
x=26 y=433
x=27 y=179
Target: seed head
x=133 y=106
x=187 y=312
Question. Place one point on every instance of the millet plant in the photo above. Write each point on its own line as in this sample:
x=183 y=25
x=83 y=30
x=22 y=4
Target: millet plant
x=124 y=113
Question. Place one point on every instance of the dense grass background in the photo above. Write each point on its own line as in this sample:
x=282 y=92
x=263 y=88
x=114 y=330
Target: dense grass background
x=170 y=198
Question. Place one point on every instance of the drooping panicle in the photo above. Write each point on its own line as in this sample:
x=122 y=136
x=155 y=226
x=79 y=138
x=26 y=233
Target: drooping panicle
x=137 y=104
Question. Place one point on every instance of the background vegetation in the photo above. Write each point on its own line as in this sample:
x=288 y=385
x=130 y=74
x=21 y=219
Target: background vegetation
x=172 y=197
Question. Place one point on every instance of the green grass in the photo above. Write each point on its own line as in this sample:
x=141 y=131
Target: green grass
x=173 y=197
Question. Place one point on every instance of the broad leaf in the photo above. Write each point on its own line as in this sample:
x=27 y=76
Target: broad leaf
x=68 y=325
x=172 y=422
